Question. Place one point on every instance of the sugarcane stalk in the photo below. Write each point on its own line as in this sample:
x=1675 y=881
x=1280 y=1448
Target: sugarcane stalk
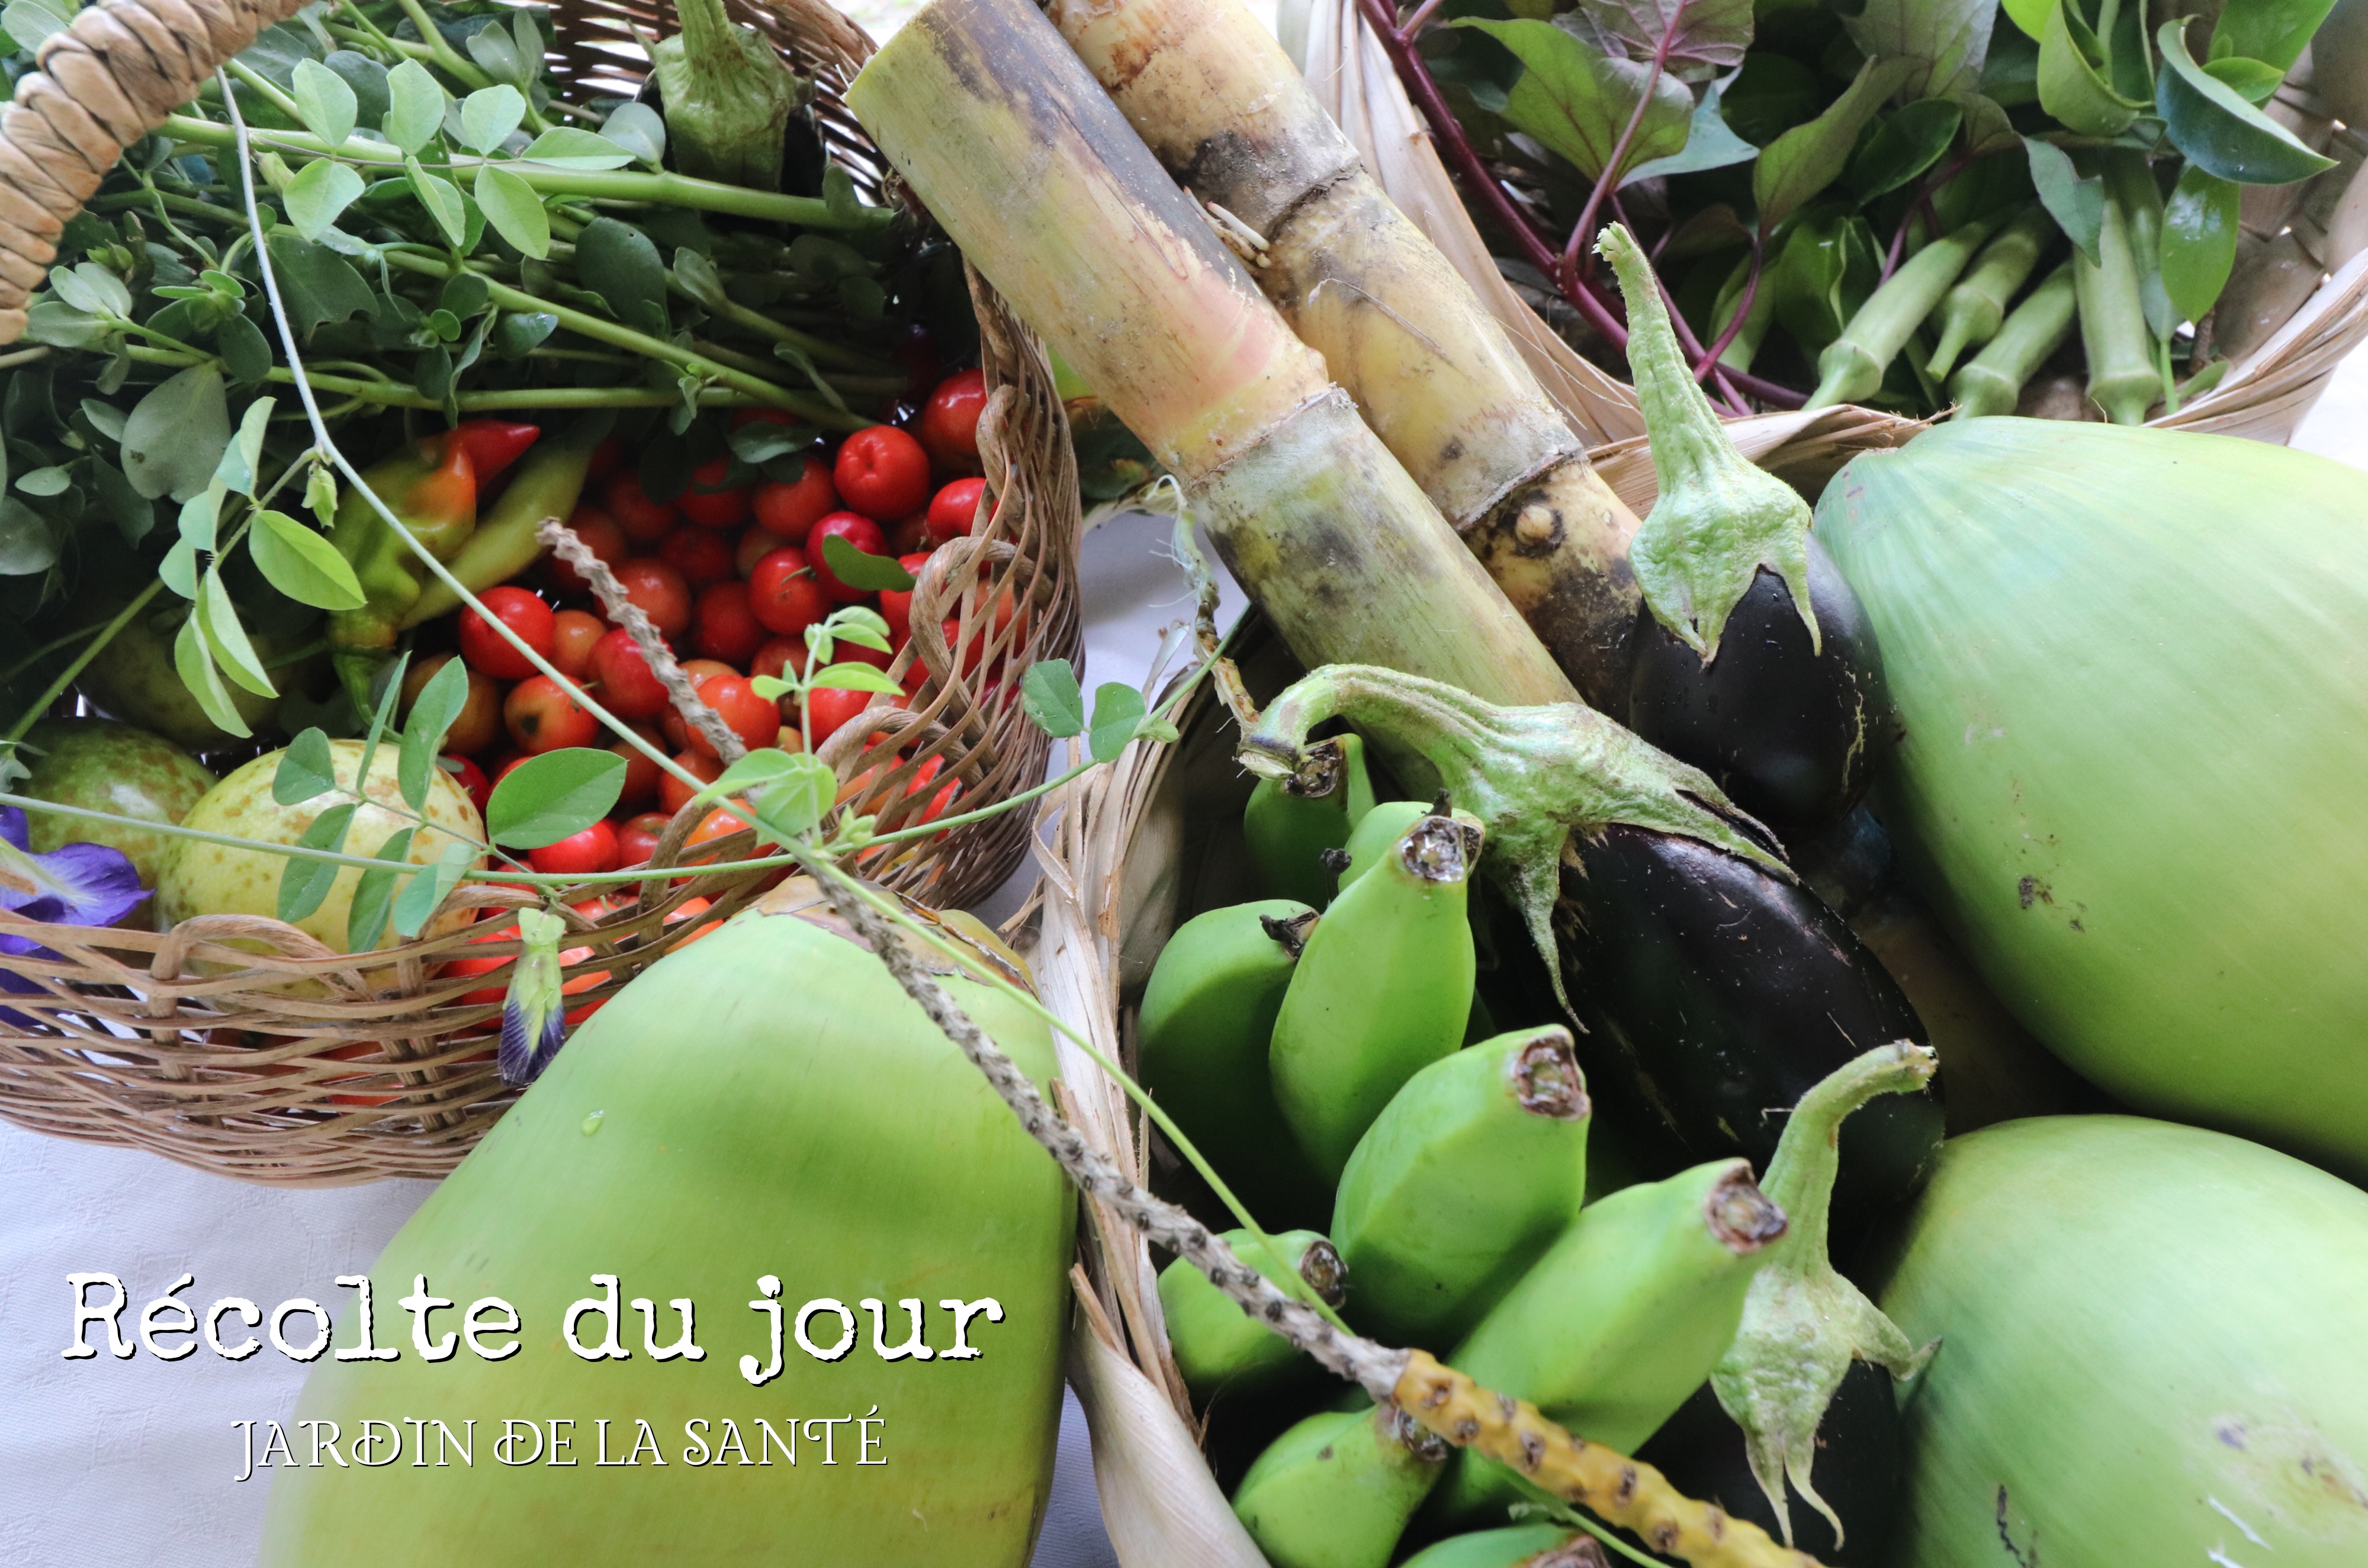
x=1992 y=381
x=1975 y=308
x=1222 y=106
x=2123 y=379
x=1032 y=171
x=1852 y=365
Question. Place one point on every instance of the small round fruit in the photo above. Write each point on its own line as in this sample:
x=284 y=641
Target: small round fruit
x=778 y=656
x=673 y=793
x=709 y=502
x=698 y=672
x=754 y=546
x=606 y=455
x=829 y=708
x=949 y=421
x=471 y=777
x=896 y=604
x=644 y=521
x=542 y=717
x=785 y=594
x=701 y=555
x=660 y=592
x=790 y=509
x=641 y=772
x=724 y=625
x=575 y=633
x=881 y=472
x=602 y=536
x=578 y=854
x=488 y=649
x=953 y=511
x=637 y=840
x=629 y=687
x=752 y=718
x=856 y=529
x=479 y=724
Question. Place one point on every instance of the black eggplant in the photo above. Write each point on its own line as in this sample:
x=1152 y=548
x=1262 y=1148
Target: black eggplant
x=1792 y=733
x=1701 y=1450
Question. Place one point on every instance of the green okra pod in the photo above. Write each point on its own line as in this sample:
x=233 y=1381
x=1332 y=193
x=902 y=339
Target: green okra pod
x=1217 y=1344
x=1621 y=1318
x=1382 y=990
x=1992 y=381
x=2123 y=379
x=1290 y=822
x=1469 y=1174
x=1977 y=307
x=1337 y=1490
x=1852 y=365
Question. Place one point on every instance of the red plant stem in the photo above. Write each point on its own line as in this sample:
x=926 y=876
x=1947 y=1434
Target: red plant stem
x=1742 y=309
x=1464 y=160
x=1607 y=181
x=1923 y=204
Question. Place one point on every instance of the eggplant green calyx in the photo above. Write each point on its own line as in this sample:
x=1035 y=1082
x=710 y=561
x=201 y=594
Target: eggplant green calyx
x=1532 y=776
x=728 y=95
x=1720 y=518
x=1803 y=1323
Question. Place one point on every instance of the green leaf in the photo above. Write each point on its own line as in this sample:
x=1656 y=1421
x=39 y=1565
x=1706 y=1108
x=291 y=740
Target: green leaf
x=492 y=49
x=442 y=199
x=800 y=797
x=753 y=768
x=1903 y=146
x=1694 y=39
x=2072 y=82
x=196 y=667
x=26 y=544
x=864 y=636
x=367 y=79
x=2198 y=240
x=516 y=212
x=1577 y=99
x=226 y=639
x=178 y=570
x=853 y=677
x=2256 y=81
x=306 y=769
x=567 y=147
x=199 y=516
x=617 y=262
x=321 y=492
x=859 y=569
x=546 y=798
x=374 y=893
x=133 y=513
x=425 y=892
x=92 y=287
x=305 y=883
x=2274 y=31
x=2219 y=131
x=319 y=195
x=520 y=333
x=760 y=441
x=1049 y=694
x=489 y=114
x=245 y=353
x=432 y=712
x=641 y=131
x=2078 y=205
x=1947 y=40
x=105 y=417
x=415 y=107
x=1829 y=265
x=1808 y=158
x=319 y=286
x=1117 y=713
x=236 y=468
x=31 y=22
x=325 y=101
x=176 y=435
x=1708 y=146
x=301 y=564
x=52 y=481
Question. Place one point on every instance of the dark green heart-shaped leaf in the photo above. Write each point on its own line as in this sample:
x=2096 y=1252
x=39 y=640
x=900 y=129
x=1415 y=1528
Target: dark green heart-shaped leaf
x=2198 y=240
x=2219 y=131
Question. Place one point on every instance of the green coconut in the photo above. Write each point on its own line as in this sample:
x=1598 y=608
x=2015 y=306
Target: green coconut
x=763 y=1106
x=2150 y=1353
x=2132 y=667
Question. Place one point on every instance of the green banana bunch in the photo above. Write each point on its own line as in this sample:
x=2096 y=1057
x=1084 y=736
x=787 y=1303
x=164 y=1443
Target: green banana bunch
x=1382 y=990
x=1207 y=1016
x=1376 y=832
x=1464 y=1181
x=1621 y=1318
x=1519 y=1546
x=1219 y=1346
x=1291 y=821
x=1337 y=1490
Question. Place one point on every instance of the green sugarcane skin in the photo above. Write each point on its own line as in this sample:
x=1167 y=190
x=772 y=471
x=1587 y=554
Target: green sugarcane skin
x=1338 y=1490
x=1289 y=831
x=1473 y=1171
x=1378 y=834
x=1519 y=1546
x=1621 y=1318
x=1992 y=381
x=2122 y=378
x=1218 y=1347
x=1852 y=365
x=764 y=1101
x=1977 y=307
x=1382 y=990
x=1208 y=1013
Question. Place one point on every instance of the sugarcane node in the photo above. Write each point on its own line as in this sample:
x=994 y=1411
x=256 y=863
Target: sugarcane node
x=1325 y=1273
x=1547 y=1078
x=1537 y=530
x=1291 y=935
x=1743 y=1217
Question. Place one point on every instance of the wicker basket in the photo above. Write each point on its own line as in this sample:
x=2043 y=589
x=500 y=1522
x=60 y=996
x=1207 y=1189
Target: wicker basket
x=2297 y=304
x=280 y=1061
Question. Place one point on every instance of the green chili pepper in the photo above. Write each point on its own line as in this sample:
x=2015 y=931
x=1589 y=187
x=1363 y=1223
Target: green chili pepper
x=508 y=540
x=1992 y=381
x=1975 y=308
x=1852 y=365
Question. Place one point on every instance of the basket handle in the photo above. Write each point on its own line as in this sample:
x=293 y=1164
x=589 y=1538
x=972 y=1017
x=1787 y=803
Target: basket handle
x=111 y=76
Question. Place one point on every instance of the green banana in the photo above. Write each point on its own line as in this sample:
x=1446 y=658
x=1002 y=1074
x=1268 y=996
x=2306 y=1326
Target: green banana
x=1382 y=990
x=1464 y=1181
x=1621 y=1318
x=1208 y=1013
x=1219 y=1346
x=1381 y=828
x=1291 y=821
x=1337 y=1490
x=1521 y=1546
